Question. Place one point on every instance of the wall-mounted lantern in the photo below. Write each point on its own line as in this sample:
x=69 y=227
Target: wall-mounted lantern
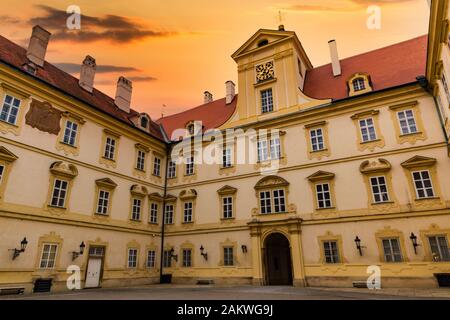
x=413 y=238
x=17 y=252
x=76 y=254
x=359 y=247
x=244 y=248
x=172 y=255
x=203 y=253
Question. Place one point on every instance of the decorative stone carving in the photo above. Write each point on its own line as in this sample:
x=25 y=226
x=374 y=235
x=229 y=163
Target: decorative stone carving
x=43 y=117
x=271 y=181
x=64 y=169
x=380 y=165
x=188 y=194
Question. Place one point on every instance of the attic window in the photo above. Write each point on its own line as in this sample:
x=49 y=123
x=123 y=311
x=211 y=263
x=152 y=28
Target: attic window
x=358 y=84
x=191 y=128
x=144 y=122
x=263 y=43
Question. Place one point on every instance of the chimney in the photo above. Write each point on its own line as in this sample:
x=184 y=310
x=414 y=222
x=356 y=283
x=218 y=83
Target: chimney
x=123 y=94
x=38 y=45
x=87 y=74
x=208 y=97
x=336 y=64
x=230 y=91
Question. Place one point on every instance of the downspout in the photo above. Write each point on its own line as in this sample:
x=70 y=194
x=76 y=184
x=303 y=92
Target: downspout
x=169 y=150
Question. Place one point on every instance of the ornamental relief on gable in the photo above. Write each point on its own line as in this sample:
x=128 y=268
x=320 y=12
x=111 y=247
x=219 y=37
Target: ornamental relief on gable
x=43 y=117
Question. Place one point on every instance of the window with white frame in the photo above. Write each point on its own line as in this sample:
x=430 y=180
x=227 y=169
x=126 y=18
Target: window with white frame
x=153 y=213
x=189 y=166
x=445 y=85
x=103 y=202
x=140 y=161
x=172 y=170
x=70 y=133
x=2 y=171
x=266 y=101
x=359 y=84
x=368 y=132
x=379 y=189
x=265 y=145
x=48 y=257
x=151 y=258
x=439 y=248
x=228 y=258
x=331 y=251
x=168 y=214
x=392 y=252
x=136 y=209
x=187 y=258
x=226 y=157
x=407 y=122
x=279 y=201
x=317 y=140
x=266 y=206
x=423 y=184
x=59 y=193
x=272 y=201
x=10 y=109
x=157 y=167
x=132 y=258
x=187 y=213
x=323 y=195
x=275 y=148
x=227 y=207
x=263 y=150
x=167 y=259
x=110 y=147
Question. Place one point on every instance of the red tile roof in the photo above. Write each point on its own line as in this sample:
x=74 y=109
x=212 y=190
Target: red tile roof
x=15 y=56
x=387 y=67
x=212 y=115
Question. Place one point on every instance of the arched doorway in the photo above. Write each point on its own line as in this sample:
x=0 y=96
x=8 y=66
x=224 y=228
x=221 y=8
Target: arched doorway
x=278 y=264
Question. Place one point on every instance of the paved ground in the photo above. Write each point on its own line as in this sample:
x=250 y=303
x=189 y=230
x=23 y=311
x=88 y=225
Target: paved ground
x=175 y=292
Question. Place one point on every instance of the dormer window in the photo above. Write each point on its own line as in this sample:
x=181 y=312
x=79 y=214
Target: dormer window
x=359 y=83
x=144 y=122
x=191 y=129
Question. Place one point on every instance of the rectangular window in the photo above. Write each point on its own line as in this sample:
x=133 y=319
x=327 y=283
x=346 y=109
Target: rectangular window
x=323 y=195
x=151 y=259
x=103 y=201
x=317 y=141
x=172 y=170
x=110 y=148
x=266 y=206
x=392 y=252
x=140 y=161
x=331 y=252
x=263 y=150
x=168 y=216
x=228 y=259
x=59 y=193
x=407 y=122
x=48 y=256
x=153 y=213
x=70 y=133
x=132 y=258
x=187 y=258
x=10 y=109
x=439 y=248
x=157 y=167
x=423 y=185
x=279 y=201
x=445 y=84
x=187 y=216
x=167 y=259
x=266 y=101
x=227 y=205
x=136 y=209
x=275 y=148
x=2 y=171
x=226 y=158
x=379 y=189
x=189 y=166
x=368 y=132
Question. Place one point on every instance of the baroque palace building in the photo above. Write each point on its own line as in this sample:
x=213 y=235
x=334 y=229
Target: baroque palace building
x=363 y=174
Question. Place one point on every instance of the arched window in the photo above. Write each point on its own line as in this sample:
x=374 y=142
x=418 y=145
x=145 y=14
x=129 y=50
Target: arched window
x=144 y=122
x=358 y=84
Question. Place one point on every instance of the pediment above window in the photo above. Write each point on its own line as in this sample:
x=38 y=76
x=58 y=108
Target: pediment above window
x=7 y=155
x=380 y=165
x=171 y=198
x=138 y=190
x=64 y=169
x=188 y=194
x=155 y=196
x=321 y=175
x=271 y=182
x=227 y=190
x=419 y=161
x=106 y=183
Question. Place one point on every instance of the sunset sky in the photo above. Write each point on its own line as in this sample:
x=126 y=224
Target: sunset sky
x=174 y=50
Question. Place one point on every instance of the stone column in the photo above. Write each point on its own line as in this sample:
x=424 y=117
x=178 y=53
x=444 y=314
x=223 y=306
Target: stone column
x=255 y=233
x=297 y=254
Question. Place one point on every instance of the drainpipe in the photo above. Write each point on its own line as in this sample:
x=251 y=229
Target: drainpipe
x=169 y=150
